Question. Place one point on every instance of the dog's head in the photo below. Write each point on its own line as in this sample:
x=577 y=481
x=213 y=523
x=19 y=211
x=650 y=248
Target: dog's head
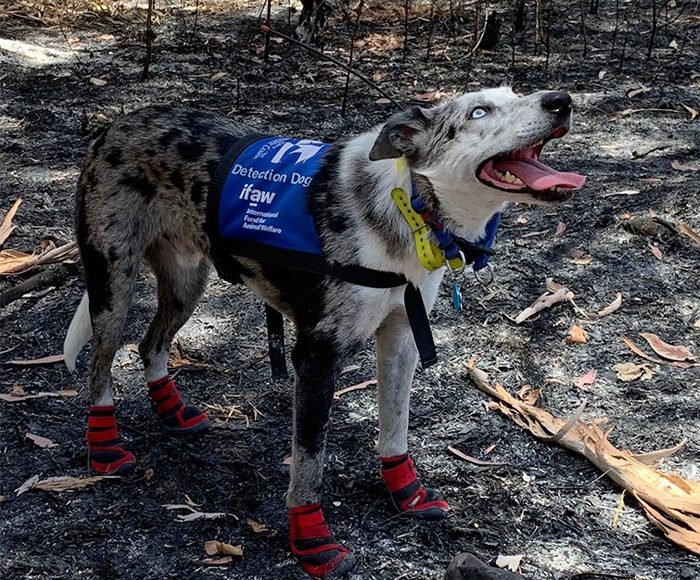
x=484 y=146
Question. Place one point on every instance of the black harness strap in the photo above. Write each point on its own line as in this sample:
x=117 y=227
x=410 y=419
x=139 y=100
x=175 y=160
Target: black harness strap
x=275 y=342
x=420 y=325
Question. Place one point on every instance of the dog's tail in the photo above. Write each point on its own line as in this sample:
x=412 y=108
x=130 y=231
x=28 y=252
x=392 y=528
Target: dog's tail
x=79 y=333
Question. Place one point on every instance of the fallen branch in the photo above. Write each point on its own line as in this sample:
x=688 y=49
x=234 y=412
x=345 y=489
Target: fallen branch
x=669 y=501
x=54 y=276
x=14 y=262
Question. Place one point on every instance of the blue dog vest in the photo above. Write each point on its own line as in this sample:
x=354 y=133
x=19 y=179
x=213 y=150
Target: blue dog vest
x=264 y=196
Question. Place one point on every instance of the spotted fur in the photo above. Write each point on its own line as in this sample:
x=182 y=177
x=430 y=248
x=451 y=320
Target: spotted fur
x=142 y=196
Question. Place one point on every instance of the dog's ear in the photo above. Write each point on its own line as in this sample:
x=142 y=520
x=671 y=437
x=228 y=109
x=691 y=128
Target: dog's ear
x=401 y=134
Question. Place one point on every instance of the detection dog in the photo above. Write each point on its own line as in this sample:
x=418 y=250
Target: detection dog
x=142 y=195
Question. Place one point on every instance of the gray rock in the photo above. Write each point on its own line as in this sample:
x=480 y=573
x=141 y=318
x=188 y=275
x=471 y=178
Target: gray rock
x=466 y=566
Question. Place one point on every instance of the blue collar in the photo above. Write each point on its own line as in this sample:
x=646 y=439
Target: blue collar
x=476 y=253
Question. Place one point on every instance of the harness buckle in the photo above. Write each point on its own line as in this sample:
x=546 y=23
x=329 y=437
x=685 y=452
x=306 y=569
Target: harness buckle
x=485 y=281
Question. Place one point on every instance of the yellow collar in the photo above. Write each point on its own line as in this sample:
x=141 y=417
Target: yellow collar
x=429 y=253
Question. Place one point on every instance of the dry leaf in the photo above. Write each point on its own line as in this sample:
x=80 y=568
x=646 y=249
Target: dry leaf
x=561 y=228
x=670 y=502
x=511 y=563
x=12 y=397
x=577 y=335
x=214 y=547
x=553 y=286
x=612 y=307
x=194 y=514
x=588 y=379
x=638 y=351
x=356 y=387
x=46 y=360
x=97 y=82
x=601 y=74
x=693 y=112
x=259 y=528
x=678 y=166
x=638 y=91
x=63 y=483
x=668 y=351
x=7 y=227
x=382 y=101
x=582 y=260
x=631 y=372
x=689 y=232
x=656 y=251
x=474 y=460
x=148 y=474
x=216 y=561
x=40 y=441
x=218 y=76
x=429 y=97
x=545 y=301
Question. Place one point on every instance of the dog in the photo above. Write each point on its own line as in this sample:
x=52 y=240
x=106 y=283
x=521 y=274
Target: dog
x=143 y=192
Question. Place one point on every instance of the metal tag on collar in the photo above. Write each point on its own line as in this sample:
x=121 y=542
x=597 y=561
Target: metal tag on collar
x=484 y=280
x=456 y=296
x=455 y=274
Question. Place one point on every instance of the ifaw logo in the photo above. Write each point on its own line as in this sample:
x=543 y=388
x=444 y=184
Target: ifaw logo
x=305 y=148
x=251 y=194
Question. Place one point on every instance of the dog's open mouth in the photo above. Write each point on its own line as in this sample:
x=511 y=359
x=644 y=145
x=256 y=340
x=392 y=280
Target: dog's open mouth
x=521 y=171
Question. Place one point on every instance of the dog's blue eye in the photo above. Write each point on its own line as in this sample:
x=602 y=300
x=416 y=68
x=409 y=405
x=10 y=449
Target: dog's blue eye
x=478 y=113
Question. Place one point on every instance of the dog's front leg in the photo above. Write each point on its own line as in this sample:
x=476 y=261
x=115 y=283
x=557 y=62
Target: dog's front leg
x=397 y=358
x=316 y=360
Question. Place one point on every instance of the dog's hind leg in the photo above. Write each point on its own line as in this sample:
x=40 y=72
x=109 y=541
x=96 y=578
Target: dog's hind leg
x=397 y=358
x=110 y=273
x=182 y=275
x=316 y=361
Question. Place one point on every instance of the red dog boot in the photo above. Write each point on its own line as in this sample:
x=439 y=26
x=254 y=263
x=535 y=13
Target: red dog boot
x=104 y=444
x=177 y=417
x=312 y=543
x=407 y=493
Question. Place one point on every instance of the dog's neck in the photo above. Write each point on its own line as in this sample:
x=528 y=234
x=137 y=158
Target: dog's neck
x=383 y=240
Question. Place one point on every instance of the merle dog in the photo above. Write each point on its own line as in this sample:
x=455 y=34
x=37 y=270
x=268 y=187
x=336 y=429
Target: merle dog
x=142 y=195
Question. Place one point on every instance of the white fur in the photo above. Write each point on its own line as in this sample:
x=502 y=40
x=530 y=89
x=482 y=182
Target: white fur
x=79 y=333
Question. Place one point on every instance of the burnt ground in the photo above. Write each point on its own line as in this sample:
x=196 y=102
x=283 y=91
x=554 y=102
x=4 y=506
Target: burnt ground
x=550 y=506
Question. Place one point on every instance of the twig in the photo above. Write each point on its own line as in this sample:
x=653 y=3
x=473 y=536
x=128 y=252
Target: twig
x=652 y=35
x=638 y=155
x=352 y=52
x=406 y=6
x=267 y=36
x=148 y=37
x=327 y=57
x=481 y=37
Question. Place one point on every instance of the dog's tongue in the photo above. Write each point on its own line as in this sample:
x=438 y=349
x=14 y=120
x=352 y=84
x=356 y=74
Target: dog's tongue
x=538 y=176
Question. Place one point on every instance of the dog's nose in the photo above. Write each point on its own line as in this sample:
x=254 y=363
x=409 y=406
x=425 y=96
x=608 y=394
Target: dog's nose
x=557 y=102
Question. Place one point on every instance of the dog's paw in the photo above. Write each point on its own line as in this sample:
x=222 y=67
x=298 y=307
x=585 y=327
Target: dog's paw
x=107 y=456
x=313 y=545
x=407 y=492
x=177 y=417
x=111 y=460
